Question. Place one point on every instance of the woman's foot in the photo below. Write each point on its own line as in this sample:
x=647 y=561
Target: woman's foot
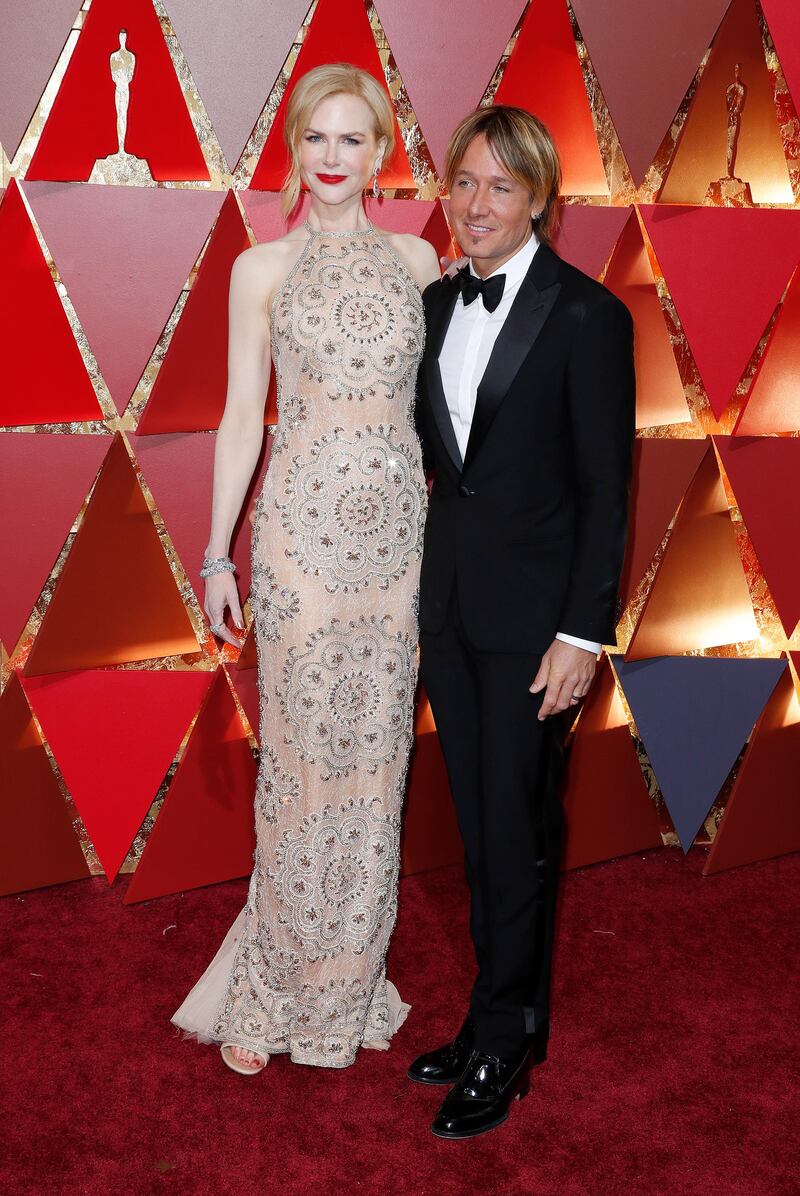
x=251 y=1058
x=240 y=1059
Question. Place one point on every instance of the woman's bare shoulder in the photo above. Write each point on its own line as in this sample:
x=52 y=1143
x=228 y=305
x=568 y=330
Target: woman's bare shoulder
x=417 y=254
x=260 y=270
x=266 y=258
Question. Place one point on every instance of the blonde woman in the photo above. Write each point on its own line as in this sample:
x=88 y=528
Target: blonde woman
x=337 y=542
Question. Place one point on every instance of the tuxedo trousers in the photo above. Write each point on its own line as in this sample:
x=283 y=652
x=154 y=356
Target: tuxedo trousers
x=503 y=765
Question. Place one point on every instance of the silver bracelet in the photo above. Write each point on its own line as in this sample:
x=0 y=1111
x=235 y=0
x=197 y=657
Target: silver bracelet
x=214 y=565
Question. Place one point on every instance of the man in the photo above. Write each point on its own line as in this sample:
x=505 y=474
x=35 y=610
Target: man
x=526 y=412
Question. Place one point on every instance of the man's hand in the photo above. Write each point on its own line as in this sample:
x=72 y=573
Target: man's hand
x=567 y=671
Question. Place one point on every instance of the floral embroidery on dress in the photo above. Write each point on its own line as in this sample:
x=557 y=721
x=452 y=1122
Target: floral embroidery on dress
x=370 y=335
x=349 y=696
x=356 y=507
x=336 y=875
x=271 y=603
x=291 y=410
x=274 y=786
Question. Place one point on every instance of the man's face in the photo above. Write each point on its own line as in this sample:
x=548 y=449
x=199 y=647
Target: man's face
x=490 y=212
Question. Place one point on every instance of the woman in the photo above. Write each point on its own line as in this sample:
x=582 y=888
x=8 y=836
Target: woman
x=337 y=541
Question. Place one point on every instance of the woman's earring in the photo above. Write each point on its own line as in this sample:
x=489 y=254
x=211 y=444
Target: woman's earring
x=375 y=188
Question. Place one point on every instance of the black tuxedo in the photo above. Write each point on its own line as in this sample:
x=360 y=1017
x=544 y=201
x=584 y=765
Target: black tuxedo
x=533 y=523
x=524 y=538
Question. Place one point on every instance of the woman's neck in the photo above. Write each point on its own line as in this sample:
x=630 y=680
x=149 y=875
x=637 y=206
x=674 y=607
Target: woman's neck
x=338 y=218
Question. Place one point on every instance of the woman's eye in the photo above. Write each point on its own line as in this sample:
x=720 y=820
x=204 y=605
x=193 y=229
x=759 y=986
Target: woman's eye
x=313 y=137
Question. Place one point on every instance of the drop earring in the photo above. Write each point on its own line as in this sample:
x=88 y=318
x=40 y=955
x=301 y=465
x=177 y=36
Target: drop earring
x=375 y=188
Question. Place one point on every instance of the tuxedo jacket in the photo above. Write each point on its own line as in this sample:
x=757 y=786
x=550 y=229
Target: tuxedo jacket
x=531 y=525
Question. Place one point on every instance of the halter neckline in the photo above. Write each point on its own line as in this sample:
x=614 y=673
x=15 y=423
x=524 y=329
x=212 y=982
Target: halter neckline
x=356 y=232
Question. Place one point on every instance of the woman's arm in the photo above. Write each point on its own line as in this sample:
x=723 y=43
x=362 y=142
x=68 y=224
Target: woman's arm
x=241 y=429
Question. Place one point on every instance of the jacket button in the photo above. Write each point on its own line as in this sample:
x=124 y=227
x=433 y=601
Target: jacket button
x=465 y=491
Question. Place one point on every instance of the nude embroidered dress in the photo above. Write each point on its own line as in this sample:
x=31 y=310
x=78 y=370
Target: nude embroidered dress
x=337 y=542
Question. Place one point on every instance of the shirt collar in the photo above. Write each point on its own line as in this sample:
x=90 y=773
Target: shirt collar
x=517 y=266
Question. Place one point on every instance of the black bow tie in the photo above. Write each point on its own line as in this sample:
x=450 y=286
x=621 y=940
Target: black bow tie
x=490 y=289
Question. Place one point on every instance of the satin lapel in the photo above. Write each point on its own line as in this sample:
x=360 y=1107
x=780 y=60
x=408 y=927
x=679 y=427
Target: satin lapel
x=517 y=337
x=441 y=312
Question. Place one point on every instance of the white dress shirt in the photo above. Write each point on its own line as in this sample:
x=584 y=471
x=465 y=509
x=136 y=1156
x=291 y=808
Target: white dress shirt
x=465 y=354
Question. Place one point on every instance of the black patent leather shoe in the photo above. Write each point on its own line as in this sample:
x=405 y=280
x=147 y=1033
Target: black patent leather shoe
x=445 y=1065
x=481 y=1099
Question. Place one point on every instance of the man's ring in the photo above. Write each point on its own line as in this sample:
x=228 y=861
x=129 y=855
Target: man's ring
x=216 y=628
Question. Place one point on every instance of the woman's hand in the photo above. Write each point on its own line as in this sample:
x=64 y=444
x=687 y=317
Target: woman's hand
x=451 y=267
x=222 y=594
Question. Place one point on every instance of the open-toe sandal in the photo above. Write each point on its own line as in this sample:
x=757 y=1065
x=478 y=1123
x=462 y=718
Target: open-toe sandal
x=234 y=1064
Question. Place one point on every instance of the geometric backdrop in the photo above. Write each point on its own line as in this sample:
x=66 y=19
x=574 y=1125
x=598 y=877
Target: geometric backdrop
x=681 y=192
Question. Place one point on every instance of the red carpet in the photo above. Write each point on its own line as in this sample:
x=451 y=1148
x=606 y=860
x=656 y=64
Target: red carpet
x=673 y=1064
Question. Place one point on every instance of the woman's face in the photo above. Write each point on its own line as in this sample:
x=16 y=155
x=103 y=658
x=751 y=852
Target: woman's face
x=339 y=149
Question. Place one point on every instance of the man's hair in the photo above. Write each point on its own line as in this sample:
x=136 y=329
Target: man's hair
x=338 y=78
x=523 y=145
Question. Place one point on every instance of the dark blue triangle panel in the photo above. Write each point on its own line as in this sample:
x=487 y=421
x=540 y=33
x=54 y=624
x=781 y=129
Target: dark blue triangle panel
x=693 y=714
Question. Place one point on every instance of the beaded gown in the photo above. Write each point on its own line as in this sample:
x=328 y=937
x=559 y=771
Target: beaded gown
x=337 y=543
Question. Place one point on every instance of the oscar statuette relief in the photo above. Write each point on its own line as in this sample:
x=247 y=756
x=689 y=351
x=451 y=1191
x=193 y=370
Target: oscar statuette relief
x=731 y=191
x=122 y=167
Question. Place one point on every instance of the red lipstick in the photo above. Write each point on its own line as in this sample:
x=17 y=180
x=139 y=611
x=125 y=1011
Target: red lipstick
x=331 y=178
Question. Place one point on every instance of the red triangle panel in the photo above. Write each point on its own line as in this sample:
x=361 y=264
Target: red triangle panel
x=607 y=807
x=204 y=831
x=783 y=19
x=124 y=254
x=438 y=232
x=45 y=380
x=762 y=816
x=263 y=210
x=38 y=845
x=189 y=392
x=660 y=398
x=773 y=403
x=114 y=734
x=248 y=657
x=763 y=472
x=700 y=162
x=645 y=57
x=544 y=76
x=177 y=466
x=32 y=41
x=662 y=469
x=744 y=259
x=116 y=599
x=82 y=125
x=43 y=482
x=245 y=682
x=587 y=234
x=235 y=52
x=699 y=597
x=446 y=55
x=339 y=32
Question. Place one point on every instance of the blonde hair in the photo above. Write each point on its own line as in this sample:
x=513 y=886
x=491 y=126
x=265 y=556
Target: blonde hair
x=524 y=146
x=338 y=78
